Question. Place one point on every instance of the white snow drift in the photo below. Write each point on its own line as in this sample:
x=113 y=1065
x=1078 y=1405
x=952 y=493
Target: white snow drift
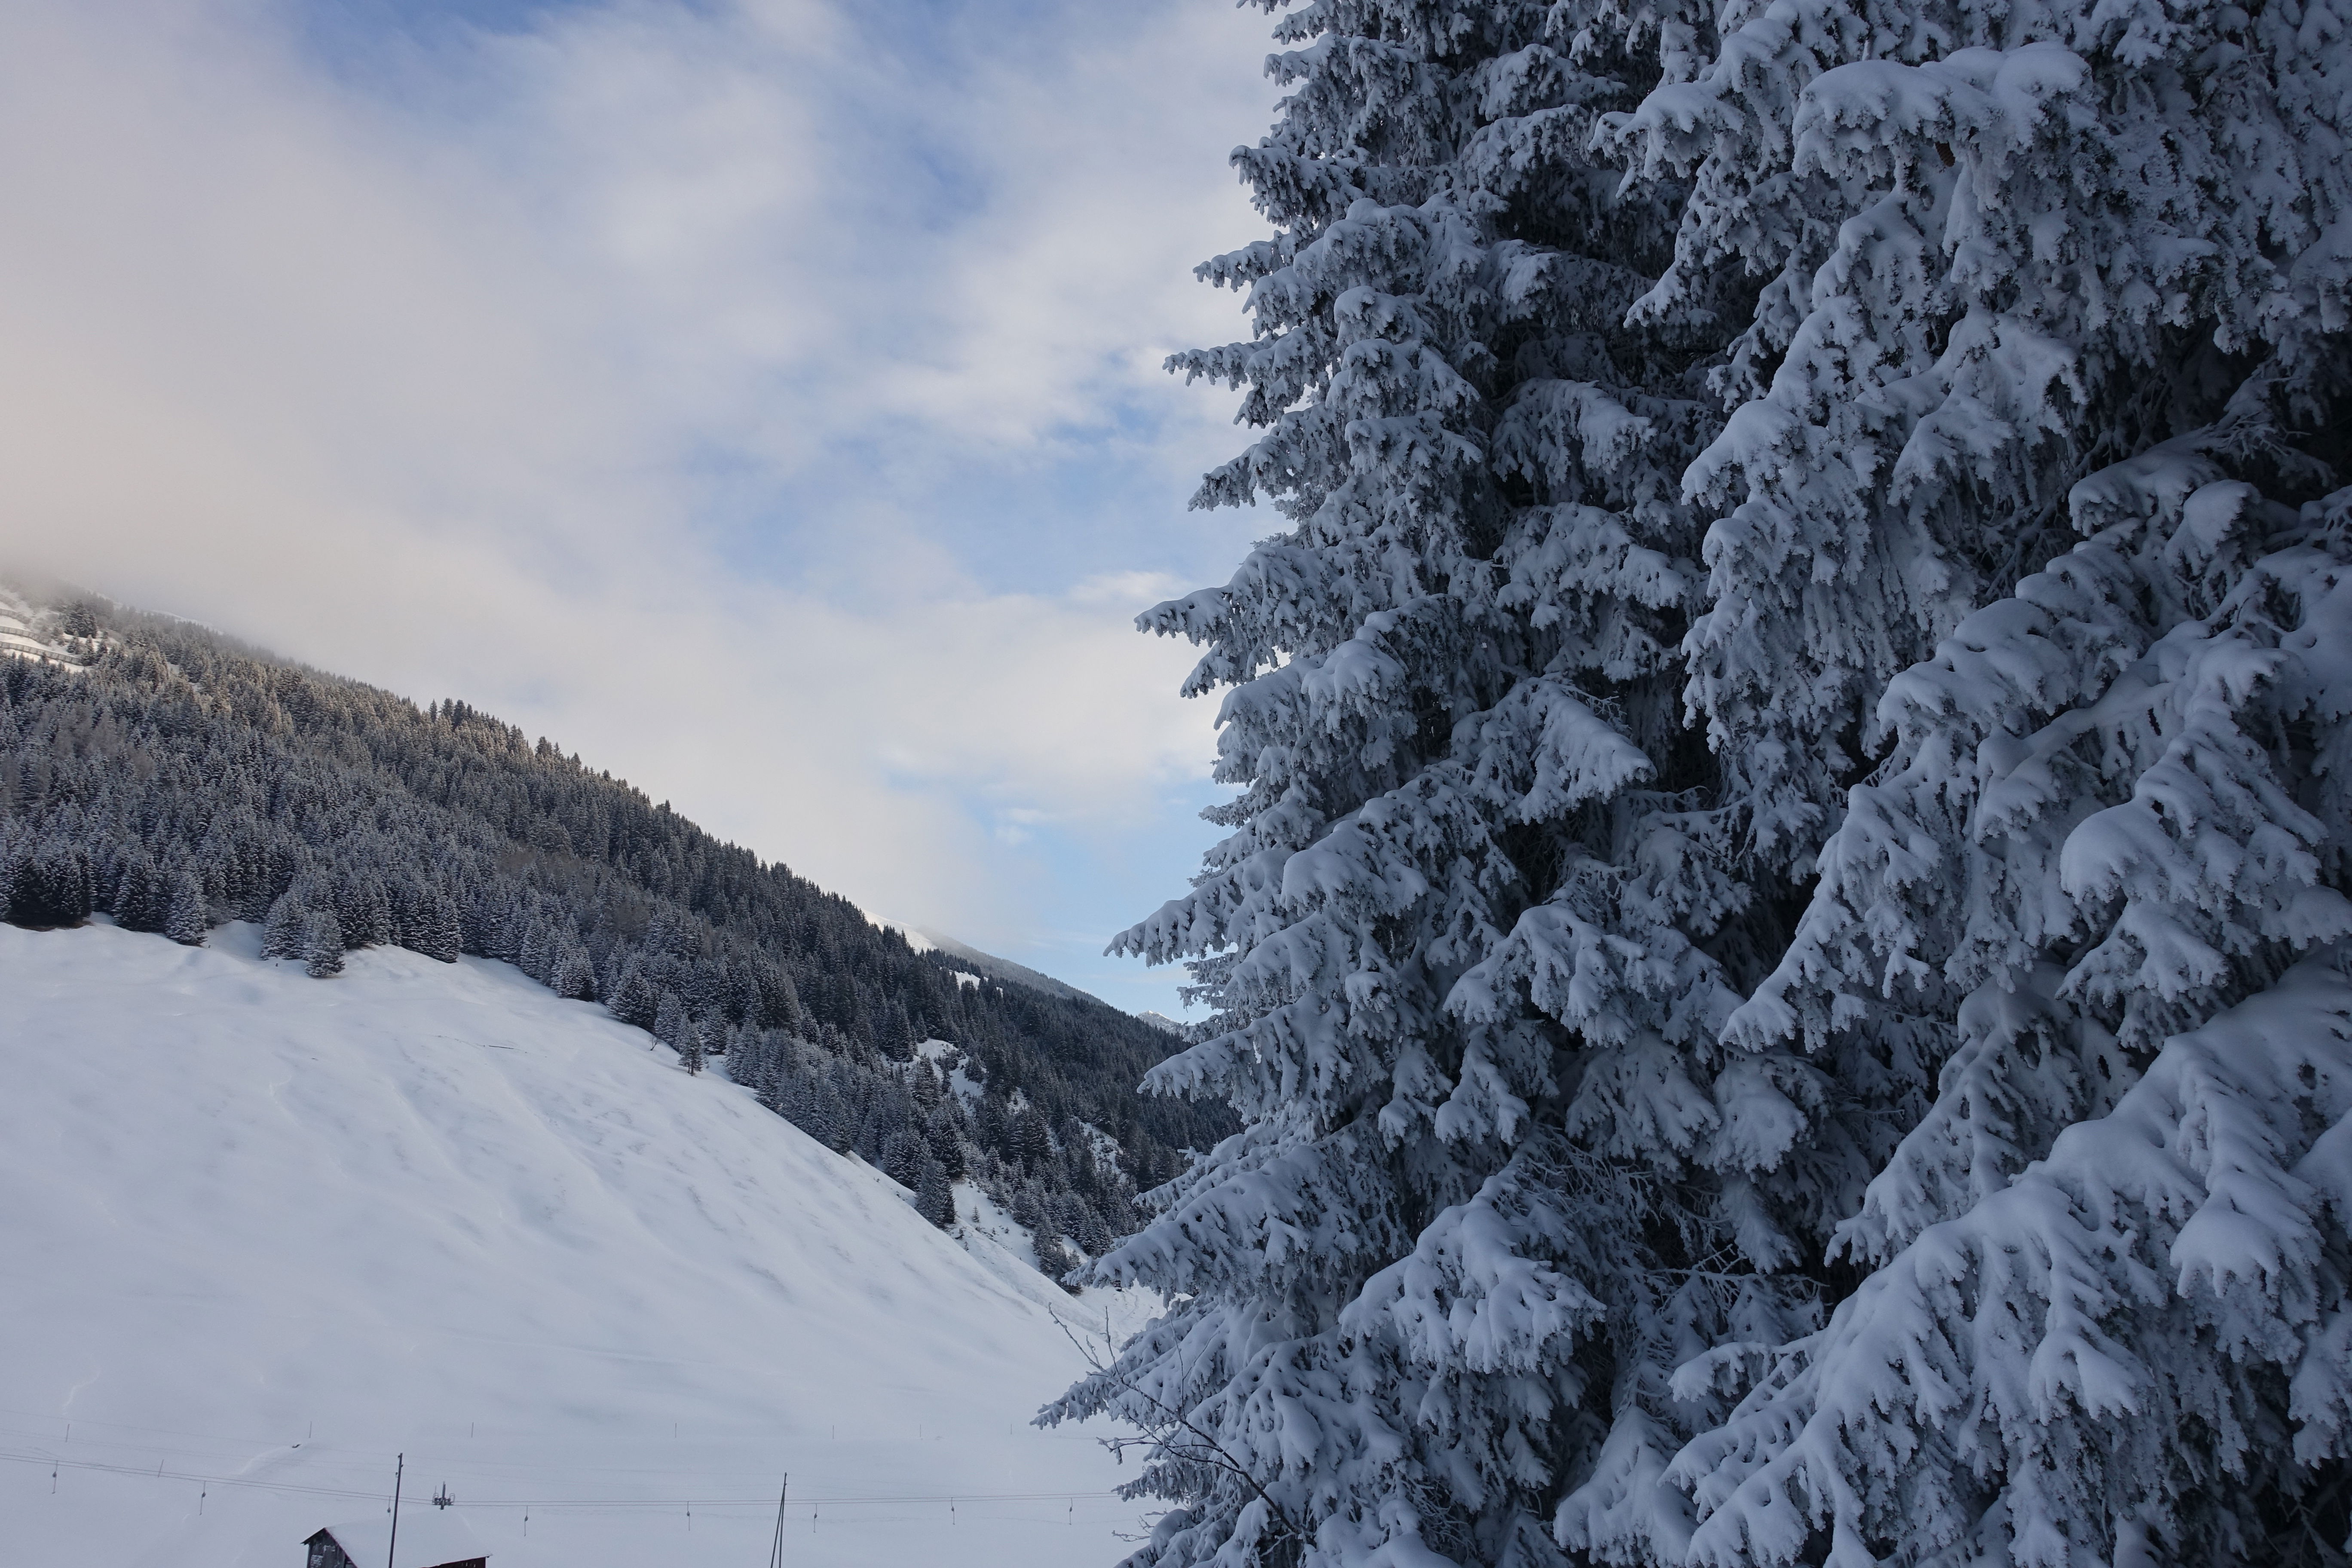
x=263 y=1233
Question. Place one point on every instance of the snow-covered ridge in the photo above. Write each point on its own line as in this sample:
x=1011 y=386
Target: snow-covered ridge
x=1001 y=969
x=29 y=632
x=265 y=1232
x=914 y=939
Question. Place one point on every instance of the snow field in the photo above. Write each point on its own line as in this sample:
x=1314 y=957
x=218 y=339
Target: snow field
x=265 y=1232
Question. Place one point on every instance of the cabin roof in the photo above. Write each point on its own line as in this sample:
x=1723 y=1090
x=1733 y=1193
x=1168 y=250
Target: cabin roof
x=429 y=1537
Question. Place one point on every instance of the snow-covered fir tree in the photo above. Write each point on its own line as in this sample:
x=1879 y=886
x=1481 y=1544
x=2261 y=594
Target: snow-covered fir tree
x=187 y=915
x=1993 y=1210
x=934 y=1197
x=322 y=944
x=1479 y=923
x=2063 y=287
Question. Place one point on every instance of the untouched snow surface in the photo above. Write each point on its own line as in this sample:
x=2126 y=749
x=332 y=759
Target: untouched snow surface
x=262 y=1232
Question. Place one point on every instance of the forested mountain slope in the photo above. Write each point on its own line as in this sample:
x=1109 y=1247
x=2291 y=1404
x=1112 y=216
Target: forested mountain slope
x=159 y=771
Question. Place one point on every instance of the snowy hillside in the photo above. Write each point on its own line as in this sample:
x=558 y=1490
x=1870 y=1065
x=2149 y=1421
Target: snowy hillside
x=176 y=780
x=265 y=1232
x=26 y=632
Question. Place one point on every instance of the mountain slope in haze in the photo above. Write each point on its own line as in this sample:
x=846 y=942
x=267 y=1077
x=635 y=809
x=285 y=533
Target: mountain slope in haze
x=26 y=632
x=1003 y=969
x=179 y=780
x=264 y=1233
x=924 y=940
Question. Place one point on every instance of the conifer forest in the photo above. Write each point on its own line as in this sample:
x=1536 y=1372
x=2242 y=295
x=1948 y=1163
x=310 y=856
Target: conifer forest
x=1778 y=967
x=179 y=780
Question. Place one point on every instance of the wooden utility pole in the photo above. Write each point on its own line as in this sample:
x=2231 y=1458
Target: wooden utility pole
x=399 y=1468
x=776 y=1552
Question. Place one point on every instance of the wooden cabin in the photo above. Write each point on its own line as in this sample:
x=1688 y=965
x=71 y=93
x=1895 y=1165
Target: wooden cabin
x=429 y=1538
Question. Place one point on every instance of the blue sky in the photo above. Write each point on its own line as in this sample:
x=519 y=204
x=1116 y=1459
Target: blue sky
x=761 y=397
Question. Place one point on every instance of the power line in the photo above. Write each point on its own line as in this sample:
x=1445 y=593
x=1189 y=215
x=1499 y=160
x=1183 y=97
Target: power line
x=950 y=1498
x=54 y=1418
x=760 y=1503
x=159 y=1473
x=372 y=1456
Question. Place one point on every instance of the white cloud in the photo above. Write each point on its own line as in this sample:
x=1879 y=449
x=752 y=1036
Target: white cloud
x=638 y=377
x=815 y=237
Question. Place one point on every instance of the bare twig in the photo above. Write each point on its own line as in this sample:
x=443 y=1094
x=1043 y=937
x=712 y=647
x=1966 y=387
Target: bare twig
x=1171 y=1420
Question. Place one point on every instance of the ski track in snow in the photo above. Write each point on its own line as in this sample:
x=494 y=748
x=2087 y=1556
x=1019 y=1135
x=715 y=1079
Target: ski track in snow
x=277 y=1229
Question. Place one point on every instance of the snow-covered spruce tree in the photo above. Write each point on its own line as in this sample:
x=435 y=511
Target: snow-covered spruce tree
x=2071 y=977
x=2108 y=1303
x=322 y=944
x=1479 y=924
x=1992 y=265
x=187 y=915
